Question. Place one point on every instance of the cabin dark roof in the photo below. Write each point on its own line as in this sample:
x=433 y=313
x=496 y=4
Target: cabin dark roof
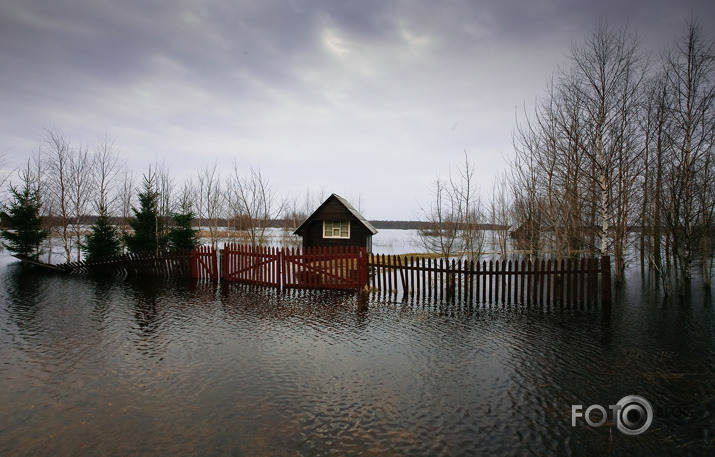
x=351 y=209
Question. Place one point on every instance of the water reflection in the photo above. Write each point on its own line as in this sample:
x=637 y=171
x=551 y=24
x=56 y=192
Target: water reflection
x=114 y=367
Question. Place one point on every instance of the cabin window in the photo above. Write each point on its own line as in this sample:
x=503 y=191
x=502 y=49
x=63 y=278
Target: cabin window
x=336 y=229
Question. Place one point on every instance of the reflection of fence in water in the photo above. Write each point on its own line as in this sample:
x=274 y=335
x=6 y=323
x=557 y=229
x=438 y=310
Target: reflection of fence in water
x=512 y=281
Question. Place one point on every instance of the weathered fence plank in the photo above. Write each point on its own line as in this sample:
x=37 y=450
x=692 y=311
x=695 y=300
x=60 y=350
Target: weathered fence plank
x=204 y=263
x=168 y=264
x=542 y=282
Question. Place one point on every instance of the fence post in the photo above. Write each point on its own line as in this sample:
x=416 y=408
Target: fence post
x=363 y=270
x=606 y=295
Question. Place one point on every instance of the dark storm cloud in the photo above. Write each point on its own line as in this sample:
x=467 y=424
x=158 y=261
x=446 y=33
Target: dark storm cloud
x=118 y=40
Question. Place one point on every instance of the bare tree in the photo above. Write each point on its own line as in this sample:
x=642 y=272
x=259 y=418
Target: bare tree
x=529 y=206
x=500 y=214
x=451 y=224
x=210 y=201
x=165 y=205
x=452 y=221
x=612 y=145
x=301 y=211
x=689 y=68
x=126 y=198
x=440 y=229
x=186 y=199
x=58 y=152
x=254 y=201
x=654 y=125
x=609 y=69
x=470 y=210
x=5 y=172
x=297 y=211
x=80 y=187
x=107 y=172
x=579 y=156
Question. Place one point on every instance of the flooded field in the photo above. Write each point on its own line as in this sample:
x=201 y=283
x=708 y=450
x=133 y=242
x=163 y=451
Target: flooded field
x=140 y=367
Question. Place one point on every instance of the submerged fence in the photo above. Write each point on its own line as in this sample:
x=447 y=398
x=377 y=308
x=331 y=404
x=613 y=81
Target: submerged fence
x=310 y=268
x=166 y=264
x=512 y=281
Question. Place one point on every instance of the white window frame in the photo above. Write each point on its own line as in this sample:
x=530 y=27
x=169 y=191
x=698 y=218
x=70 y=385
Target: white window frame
x=336 y=229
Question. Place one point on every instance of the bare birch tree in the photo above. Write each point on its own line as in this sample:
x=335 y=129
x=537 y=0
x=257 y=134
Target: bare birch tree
x=126 y=199
x=654 y=124
x=165 y=206
x=689 y=68
x=529 y=206
x=608 y=70
x=58 y=151
x=80 y=187
x=107 y=173
x=210 y=201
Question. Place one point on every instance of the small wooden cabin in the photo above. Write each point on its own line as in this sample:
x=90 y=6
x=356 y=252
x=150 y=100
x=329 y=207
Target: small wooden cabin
x=336 y=223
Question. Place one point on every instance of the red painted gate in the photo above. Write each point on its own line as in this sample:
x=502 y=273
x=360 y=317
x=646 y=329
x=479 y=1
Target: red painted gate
x=251 y=264
x=204 y=263
x=311 y=268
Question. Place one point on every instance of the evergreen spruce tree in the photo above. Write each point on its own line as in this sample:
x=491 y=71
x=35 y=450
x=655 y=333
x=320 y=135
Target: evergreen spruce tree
x=182 y=235
x=146 y=223
x=104 y=241
x=25 y=233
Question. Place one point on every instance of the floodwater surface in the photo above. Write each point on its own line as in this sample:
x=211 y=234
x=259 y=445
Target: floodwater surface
x=114 y=367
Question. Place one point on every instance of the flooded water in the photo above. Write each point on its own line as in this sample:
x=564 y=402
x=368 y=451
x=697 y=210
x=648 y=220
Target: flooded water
x=94 y=367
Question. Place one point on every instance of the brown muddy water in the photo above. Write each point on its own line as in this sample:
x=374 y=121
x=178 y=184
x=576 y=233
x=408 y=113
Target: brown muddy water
x=115 y=367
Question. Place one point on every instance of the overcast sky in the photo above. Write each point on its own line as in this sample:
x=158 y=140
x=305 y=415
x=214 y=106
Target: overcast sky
x=366 y=98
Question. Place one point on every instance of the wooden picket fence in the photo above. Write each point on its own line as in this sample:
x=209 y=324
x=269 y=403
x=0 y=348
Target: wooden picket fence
x=165 y=264
x=312 y=268
x=512 y=281
x=204 y=263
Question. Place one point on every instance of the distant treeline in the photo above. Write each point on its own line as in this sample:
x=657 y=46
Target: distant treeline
x=274 y=223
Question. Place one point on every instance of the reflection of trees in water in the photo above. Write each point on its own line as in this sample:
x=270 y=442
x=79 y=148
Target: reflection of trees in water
x=158 y=306
x=104 y=295
x=24 y=297
x=58 y=310
x=145 y=293
x=54 y=325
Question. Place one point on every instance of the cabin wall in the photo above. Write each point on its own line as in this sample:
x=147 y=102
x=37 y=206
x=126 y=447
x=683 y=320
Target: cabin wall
x=359 y=235
x=333 y=210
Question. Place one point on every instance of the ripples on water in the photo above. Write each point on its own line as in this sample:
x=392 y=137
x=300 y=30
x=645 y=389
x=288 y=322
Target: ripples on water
x=113 y=367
